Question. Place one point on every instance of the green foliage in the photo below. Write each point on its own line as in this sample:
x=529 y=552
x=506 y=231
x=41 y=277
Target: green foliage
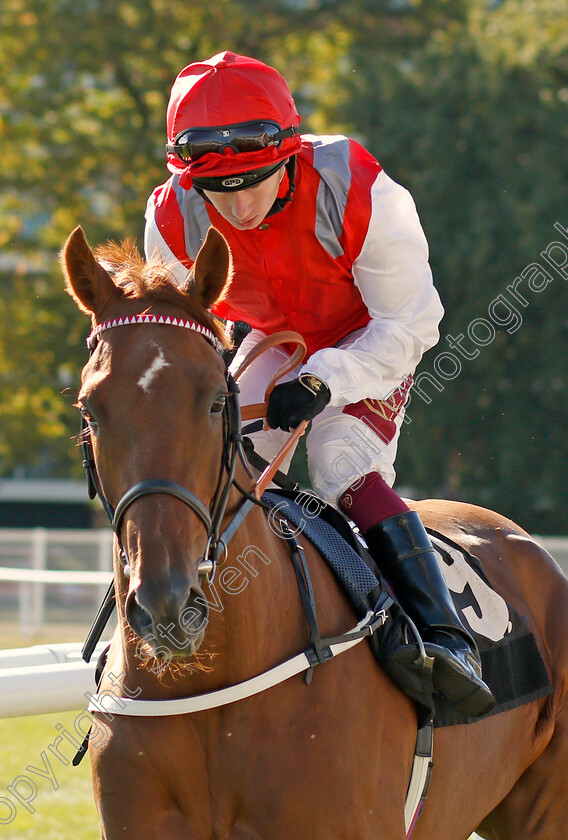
x=83 y=106
x=40 y=354
x=466 y=103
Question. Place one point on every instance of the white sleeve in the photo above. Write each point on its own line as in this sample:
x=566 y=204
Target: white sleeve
x=155 y=242
x=395 y=281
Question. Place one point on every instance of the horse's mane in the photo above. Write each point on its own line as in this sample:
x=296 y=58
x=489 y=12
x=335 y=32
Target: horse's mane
x=153 y=280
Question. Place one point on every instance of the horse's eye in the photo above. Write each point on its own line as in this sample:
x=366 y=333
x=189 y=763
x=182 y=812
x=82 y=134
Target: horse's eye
x=219 y=405
x=88 y=418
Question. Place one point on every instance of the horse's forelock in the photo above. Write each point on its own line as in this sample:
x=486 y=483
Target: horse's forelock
x=151 y=280
x=120 y=256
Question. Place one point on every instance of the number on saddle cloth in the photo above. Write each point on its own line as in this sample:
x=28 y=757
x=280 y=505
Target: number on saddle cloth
x=511 y=662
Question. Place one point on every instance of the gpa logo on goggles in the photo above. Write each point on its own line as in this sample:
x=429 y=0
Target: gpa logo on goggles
x=232 y=182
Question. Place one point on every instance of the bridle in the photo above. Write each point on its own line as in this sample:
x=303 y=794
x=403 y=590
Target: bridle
x=233 y=447
x=211 y=518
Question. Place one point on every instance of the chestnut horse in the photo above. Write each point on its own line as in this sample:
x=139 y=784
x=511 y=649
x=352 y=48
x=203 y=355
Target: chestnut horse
x=295 y=762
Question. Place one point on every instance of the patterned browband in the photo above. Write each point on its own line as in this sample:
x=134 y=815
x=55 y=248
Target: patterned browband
x=144 y=318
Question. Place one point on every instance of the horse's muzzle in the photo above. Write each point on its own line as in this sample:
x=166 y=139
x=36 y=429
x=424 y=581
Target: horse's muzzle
x=172 y=626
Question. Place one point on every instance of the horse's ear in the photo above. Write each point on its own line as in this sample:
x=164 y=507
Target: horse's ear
x=212 y=270
x=87 y=282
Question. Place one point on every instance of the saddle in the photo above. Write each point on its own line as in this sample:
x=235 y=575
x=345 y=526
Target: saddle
x=511 y=661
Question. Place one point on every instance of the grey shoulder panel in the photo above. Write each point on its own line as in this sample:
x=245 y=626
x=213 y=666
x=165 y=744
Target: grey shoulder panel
x=196 y=222
x=331 y=161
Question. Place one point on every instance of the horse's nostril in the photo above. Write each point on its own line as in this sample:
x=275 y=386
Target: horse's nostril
x=138 y=617
x=194 y=615
x=176 y=626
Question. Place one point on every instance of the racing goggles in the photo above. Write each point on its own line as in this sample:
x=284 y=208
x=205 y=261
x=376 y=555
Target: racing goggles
x=193 y=143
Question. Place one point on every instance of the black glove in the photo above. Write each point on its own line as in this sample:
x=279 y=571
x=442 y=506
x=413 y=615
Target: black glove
x=292 y=402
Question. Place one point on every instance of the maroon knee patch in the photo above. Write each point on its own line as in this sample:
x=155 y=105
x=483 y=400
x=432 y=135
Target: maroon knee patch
x=370 y=500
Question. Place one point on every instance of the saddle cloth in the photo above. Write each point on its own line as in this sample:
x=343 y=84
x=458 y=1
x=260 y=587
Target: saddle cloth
x=512 y=664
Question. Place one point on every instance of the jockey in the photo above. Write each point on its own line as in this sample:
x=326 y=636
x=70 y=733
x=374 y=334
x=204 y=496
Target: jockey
x=324 y=243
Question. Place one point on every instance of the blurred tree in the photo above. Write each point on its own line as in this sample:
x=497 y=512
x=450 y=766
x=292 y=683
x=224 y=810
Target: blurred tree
x=83 y=107
x=41 y=347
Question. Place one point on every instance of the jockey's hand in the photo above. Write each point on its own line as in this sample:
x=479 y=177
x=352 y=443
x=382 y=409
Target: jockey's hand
x=292 y=402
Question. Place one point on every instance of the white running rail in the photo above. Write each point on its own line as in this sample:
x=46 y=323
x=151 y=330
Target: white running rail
x=46 y=678
x=84 y=557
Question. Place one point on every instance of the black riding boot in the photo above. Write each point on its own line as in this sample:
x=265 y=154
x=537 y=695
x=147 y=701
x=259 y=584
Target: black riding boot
x=403 y=552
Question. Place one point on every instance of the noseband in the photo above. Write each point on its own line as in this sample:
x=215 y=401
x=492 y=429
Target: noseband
x=232 y=447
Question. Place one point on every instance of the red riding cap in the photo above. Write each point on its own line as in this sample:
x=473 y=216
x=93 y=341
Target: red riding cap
x=225 y=90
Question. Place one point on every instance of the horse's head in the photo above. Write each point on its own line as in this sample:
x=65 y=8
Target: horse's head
x=153 y=398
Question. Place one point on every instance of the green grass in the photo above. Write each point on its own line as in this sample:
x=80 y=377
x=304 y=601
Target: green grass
x=67 y=813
